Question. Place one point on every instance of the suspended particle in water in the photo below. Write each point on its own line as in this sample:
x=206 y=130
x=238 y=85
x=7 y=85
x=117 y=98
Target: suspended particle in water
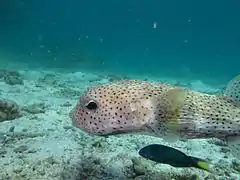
x=40 y=38
x=154 y=25
x=129 y=10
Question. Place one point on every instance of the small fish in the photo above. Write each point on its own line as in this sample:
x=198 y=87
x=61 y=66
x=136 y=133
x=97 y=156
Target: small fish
x=167 y=155
x=166 y=111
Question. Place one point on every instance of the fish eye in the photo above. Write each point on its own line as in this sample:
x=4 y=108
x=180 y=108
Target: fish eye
x=91 y=105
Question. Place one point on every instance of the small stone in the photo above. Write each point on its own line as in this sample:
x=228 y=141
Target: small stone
x=217 y=142
x=17 y=170
x=23 y=174
x=2 y=137
x=138 y=167
x=20 y=149
x=32 y=151
x=11 y=129
x=210 y=177
x=9 y=110
x=6 y=176
x=24 y=130
x=3 y=151
x=225 y=149
x=236 y=165
x=67 y=104
x=11 y=77
x=68 y=127
x=41 y=172
x=13 y=80
x=35 y=108
x=51 y=160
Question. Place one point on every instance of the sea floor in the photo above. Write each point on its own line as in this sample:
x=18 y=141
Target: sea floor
x=42 y=144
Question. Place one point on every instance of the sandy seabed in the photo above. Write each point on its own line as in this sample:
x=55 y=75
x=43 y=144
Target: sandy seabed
x=41 y=144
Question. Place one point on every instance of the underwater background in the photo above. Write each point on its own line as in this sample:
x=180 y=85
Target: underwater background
x=52 y=51
x=201 y=37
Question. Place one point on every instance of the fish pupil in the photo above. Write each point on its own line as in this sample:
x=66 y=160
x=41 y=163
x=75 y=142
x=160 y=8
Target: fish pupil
x=92 y=105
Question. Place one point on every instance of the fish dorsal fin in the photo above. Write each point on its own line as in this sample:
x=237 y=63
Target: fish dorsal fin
x=233 y=89
x=174 y=100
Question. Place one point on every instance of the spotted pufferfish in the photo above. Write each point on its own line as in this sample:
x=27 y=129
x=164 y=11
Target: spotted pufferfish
x=163 y=110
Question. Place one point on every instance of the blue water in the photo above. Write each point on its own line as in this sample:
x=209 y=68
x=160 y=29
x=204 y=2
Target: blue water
x=201 y=37
x=197 y=41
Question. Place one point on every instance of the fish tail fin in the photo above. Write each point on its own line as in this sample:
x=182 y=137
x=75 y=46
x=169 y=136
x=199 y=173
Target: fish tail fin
x=203 y=165
x=200 y=163
x=233 y=89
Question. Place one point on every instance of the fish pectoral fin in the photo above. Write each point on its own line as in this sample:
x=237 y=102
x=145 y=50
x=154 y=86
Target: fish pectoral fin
x=175 y=98
x=173 y=102
x=233 y=89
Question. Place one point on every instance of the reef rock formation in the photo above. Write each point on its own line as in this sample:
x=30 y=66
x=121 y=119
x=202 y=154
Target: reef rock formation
x=9 y=110
x=11 y=77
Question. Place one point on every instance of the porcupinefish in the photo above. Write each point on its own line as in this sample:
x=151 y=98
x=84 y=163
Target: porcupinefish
x=160 y=109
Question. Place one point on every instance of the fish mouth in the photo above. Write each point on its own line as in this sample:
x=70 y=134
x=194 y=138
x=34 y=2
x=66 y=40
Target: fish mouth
x=87 y=129
x=109 y=134
x=121 y=132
